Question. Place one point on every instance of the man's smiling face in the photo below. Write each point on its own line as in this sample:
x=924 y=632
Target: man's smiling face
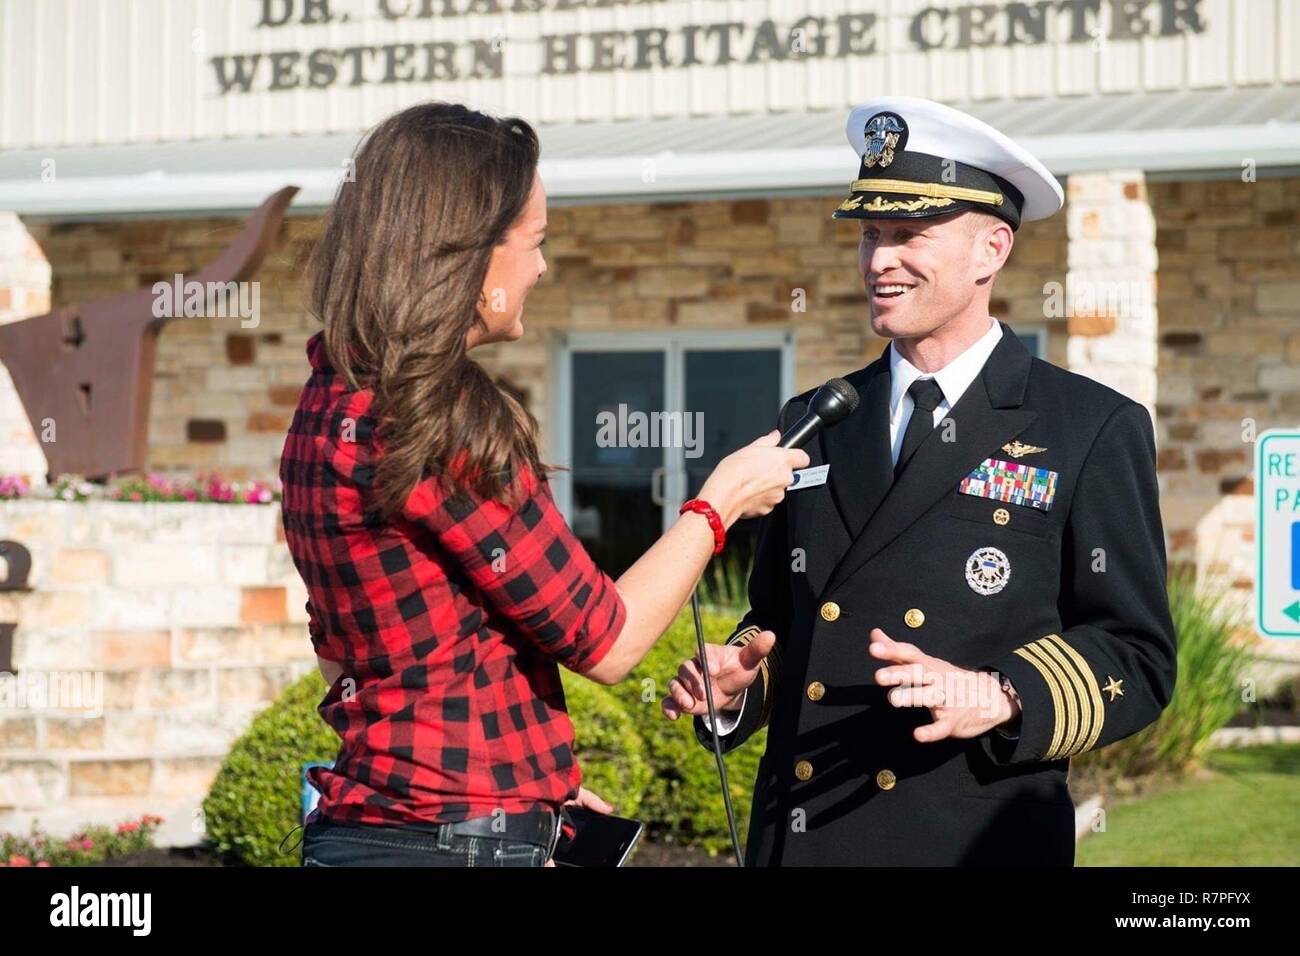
x=921 y=273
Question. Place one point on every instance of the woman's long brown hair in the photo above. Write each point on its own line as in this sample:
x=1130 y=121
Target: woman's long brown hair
x=397 y=277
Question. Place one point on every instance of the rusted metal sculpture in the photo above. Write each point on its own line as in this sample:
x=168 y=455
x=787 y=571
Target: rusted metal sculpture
x=89 y=368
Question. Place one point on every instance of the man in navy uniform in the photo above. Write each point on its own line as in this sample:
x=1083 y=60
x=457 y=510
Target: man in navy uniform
x=973 y=592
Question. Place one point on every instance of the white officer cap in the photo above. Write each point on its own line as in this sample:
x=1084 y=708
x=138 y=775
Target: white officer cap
x=921 y=158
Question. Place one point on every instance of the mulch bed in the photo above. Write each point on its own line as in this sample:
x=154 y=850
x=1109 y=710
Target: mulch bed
x=166 y=856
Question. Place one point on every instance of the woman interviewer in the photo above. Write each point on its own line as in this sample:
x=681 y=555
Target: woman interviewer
x=445 y=589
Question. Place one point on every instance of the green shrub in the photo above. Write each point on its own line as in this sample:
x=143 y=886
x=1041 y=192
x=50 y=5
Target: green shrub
x=724 y=586
x=1206 y=695
x=683 y=803
x=257 y=796
x=609 y=750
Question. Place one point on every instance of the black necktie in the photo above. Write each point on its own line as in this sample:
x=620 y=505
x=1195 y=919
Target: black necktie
x=926 y=395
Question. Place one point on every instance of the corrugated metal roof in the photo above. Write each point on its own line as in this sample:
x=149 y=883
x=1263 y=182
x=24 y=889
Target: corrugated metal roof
x=1019 y=119
x=704 y=156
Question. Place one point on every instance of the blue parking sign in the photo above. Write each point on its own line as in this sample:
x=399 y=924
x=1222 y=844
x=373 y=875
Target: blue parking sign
x=1295 y=555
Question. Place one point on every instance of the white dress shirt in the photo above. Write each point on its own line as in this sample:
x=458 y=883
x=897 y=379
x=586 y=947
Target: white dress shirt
x=954 y=378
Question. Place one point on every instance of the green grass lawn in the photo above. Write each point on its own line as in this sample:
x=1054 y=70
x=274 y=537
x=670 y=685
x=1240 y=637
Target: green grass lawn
x=1247 y=814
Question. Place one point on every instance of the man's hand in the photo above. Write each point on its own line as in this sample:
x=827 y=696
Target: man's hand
x=731 y=669
x=964 y=703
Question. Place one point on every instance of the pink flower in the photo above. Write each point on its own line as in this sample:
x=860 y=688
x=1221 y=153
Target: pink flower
x=43 y=863
x=13 y=486
x=16 y=860
x=87 y=844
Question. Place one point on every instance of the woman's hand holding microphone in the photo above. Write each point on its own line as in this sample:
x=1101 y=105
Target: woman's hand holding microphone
x=747 y=483
x=752 y=480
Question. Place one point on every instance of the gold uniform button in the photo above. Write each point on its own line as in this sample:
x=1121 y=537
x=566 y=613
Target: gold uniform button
x=885 y=780
x=816 y=690
x=1001 y=516
x=830 y=611
x=803 y=770
x=915 y=617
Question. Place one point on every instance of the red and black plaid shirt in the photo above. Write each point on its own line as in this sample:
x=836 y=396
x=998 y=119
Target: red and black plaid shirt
x=450 y=621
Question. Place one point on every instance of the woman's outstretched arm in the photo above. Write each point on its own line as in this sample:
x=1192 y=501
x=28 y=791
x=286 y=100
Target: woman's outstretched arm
x=747 y=483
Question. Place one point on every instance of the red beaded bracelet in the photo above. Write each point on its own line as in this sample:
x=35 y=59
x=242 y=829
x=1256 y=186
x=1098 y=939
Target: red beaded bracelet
x=702 y=507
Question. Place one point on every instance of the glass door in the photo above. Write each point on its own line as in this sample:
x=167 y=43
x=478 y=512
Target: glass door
x=616 y=484
x=641 y=419
x=738 y=393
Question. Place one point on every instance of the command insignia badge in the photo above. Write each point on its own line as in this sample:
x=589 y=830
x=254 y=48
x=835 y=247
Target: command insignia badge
x=987 y=571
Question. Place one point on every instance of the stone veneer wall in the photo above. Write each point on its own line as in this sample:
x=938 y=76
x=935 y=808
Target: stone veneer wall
x=224 y=395
x=1229 y=341
x=194 y=616
x=1112 y=338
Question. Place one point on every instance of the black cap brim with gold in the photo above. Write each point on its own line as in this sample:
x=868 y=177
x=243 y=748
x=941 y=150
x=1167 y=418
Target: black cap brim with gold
x=920 y=158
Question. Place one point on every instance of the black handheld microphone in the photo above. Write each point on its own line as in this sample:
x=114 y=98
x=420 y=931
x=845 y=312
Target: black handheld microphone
x=830 y=405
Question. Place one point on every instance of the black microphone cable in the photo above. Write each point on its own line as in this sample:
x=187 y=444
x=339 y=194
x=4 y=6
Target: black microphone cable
x=713 y=726
x=830 y=405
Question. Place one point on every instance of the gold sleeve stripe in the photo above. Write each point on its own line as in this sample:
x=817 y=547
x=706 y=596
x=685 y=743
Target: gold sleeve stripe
x=1067 y=729
x=1078 y=693
x=769 y=696
x=1050 y=680
x=772 y=670
x=1076 y=696
x=935 y=190
x=1094 y=691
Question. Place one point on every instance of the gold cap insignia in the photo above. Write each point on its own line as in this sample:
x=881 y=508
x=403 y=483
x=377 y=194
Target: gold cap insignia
x=883 y=131
x=1018 y=449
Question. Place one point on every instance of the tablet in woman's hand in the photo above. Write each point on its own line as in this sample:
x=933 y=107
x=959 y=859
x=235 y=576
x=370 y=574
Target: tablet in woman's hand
x=600 y=839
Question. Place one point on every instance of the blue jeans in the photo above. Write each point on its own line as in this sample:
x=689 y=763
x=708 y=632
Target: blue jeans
x=326 y=843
